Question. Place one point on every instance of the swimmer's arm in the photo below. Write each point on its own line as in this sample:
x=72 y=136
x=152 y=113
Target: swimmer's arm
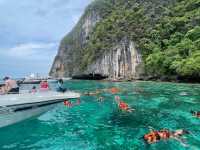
x=180 y=140
x=130 y=110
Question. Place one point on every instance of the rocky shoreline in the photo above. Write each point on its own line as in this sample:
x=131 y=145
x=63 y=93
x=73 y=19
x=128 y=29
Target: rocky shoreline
x=174 y=79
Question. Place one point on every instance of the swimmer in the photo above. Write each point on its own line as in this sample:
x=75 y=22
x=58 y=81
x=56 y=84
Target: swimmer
x=155 y=136
x=122 y=105
x=100 y=99
x=195 y=114
x=114 y=90
x=70 y=104
x=92 y=93
x=152 y=137
x=67 y=103
x=164 y=134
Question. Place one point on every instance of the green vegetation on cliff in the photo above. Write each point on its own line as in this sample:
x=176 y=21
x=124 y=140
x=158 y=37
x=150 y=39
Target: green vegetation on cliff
x=167 y=35
x=166 y=32
x=174 y=43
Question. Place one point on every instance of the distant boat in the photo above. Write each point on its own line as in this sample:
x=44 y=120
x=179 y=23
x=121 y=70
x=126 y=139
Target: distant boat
x=52 y=80
x=33 y=79
x=18 y=107
x=66 y=79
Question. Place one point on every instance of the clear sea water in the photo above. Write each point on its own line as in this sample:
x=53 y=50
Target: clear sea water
x=97 y=125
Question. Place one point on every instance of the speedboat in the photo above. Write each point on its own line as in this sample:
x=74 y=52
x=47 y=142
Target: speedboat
x=33 y=81
x=18 y=107
x=66 y=79
x=52 y=80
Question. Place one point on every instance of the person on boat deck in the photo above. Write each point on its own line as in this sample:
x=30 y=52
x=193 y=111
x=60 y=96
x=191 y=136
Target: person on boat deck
x=44 y=86
x=11 y=86
x=60 y=86
x=33 y=90
x=122 y=105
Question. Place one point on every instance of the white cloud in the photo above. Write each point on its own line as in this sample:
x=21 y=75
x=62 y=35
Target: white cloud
x=23 y=59
x=27 y=50
x=48 y=21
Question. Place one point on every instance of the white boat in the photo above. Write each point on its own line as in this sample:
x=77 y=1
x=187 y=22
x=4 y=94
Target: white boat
x=52 y=80
x=33 y=79
x=66 y=79
x=18 y=107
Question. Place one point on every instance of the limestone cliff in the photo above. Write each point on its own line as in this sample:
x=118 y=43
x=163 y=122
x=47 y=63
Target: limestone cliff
x=110 y=39
x=124 y=61
x=67 y=62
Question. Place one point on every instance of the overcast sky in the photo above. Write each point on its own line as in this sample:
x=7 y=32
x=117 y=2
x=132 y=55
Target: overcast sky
x=30 y=32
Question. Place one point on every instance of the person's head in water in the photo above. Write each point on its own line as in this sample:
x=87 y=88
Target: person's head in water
x=60 y=81
x=193 y=112
x=117 y=99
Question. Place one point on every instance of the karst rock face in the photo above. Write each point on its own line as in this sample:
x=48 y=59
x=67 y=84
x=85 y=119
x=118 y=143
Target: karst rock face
x=121 y=61
x=66 y=63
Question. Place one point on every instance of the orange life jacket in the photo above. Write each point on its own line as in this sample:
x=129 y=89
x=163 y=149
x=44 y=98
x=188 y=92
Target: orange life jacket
x=123 y=105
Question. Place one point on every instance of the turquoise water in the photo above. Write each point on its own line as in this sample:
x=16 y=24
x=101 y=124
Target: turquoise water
x=97 y=125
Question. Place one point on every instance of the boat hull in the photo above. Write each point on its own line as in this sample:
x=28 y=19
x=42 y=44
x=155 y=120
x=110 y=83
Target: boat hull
x=18 y=107
x=9 y=116
x=31 y=82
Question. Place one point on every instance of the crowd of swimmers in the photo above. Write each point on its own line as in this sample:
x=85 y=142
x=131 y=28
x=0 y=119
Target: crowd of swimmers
x=120 y=103
x=153 y=136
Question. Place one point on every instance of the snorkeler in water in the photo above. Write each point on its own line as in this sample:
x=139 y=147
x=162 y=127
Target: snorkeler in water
x=114 y=90
x=88 y=93
x=100 y=99
x=122 y=105
x=196 y=113
x=68 y=103
x=155 y=136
